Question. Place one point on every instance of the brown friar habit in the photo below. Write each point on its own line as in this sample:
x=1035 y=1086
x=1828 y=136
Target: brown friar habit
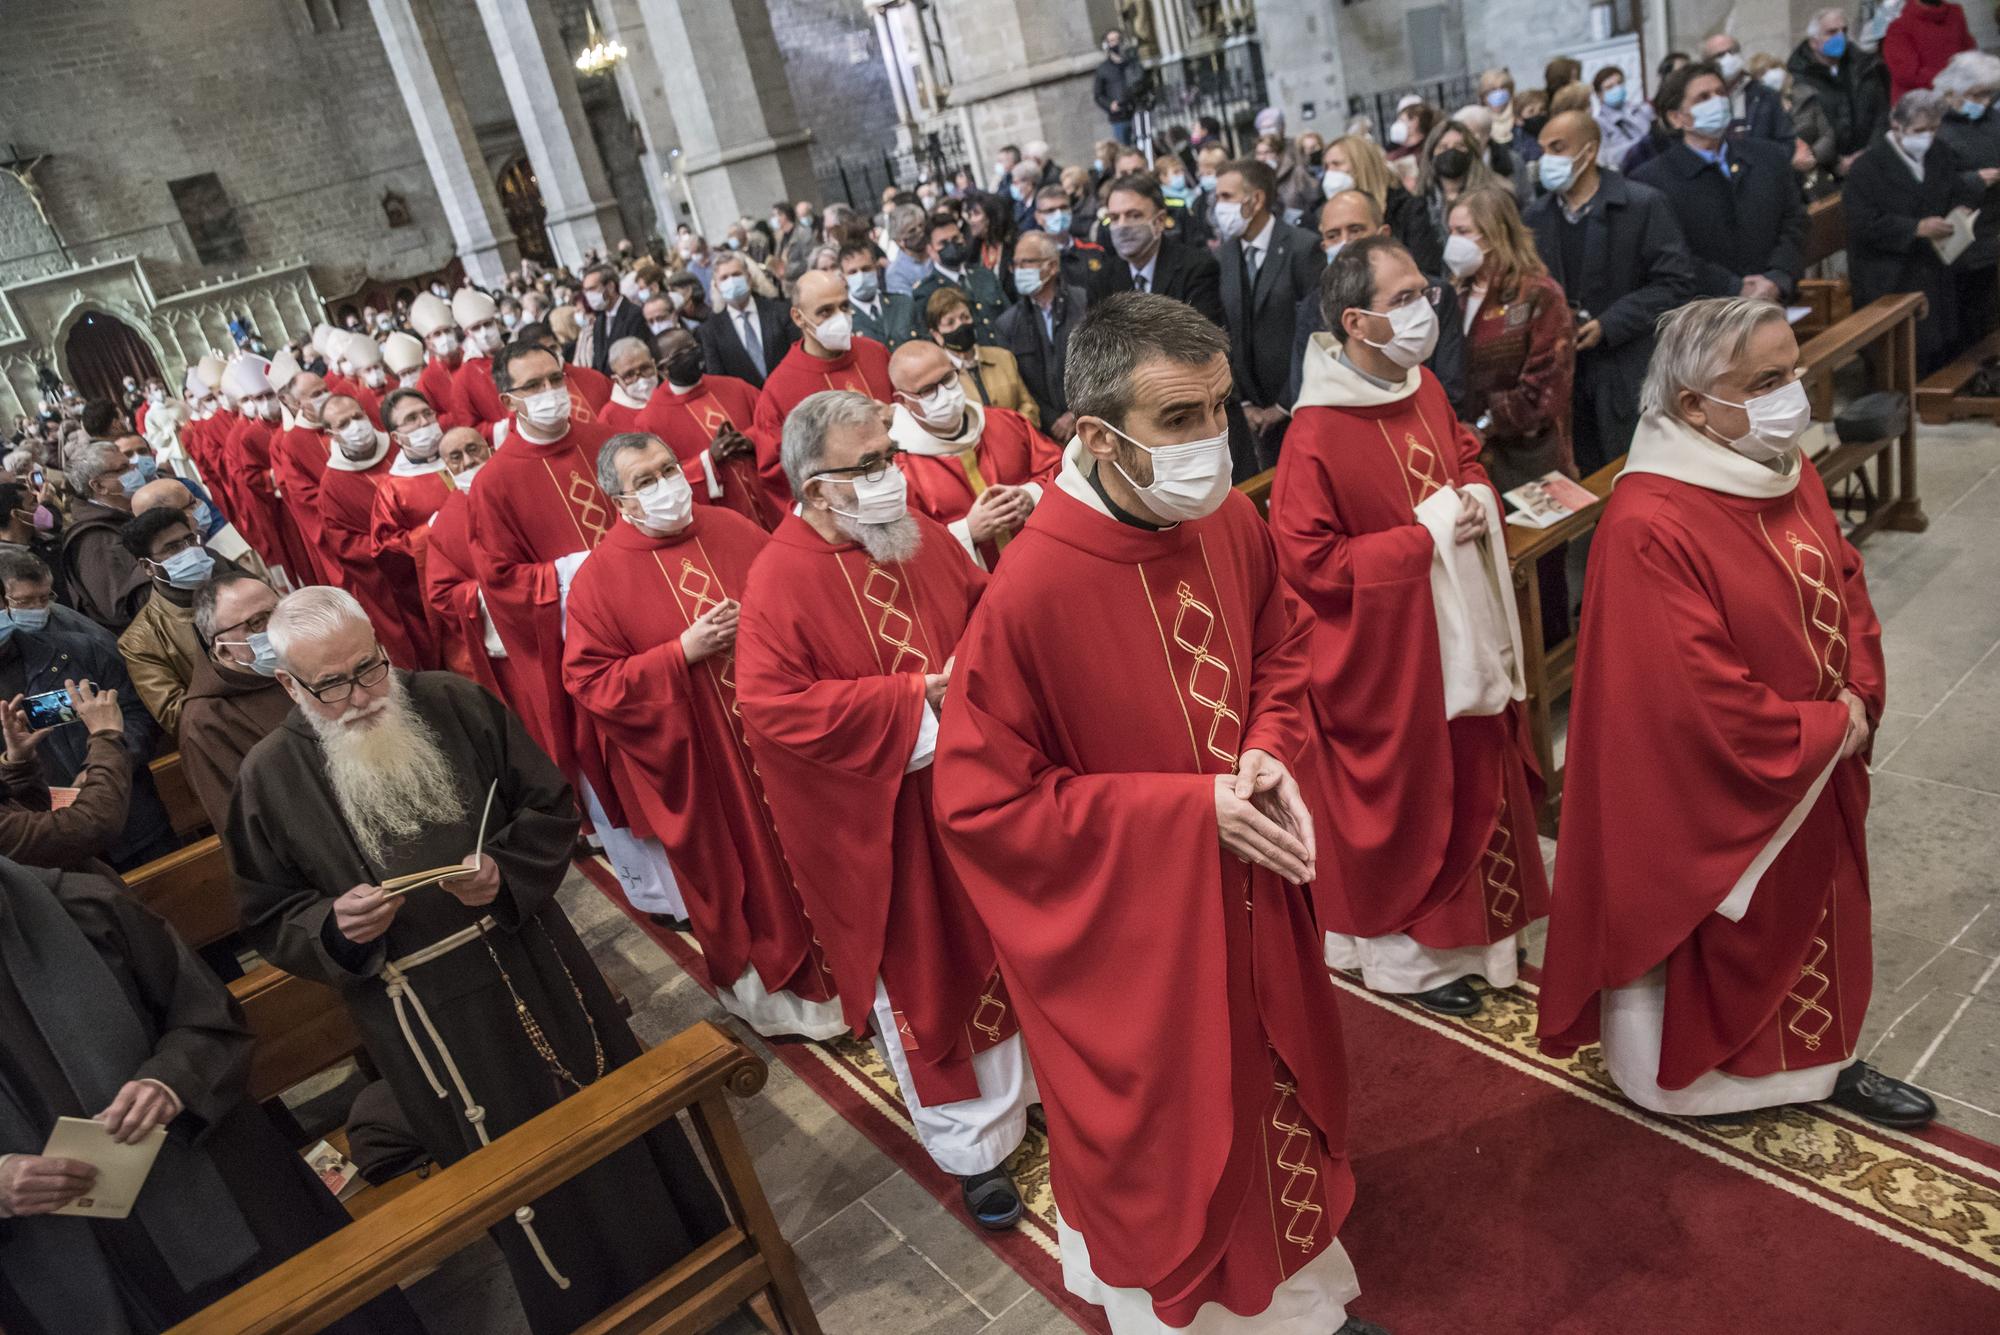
x=227 y=711
x=96 y=991
x=613 y=1226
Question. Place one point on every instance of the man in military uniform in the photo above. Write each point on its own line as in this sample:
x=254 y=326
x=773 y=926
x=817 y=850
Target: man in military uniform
x=953 y=265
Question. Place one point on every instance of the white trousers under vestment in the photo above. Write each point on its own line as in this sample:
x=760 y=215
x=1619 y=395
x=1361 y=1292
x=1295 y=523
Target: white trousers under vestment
x=641 y=864
x=1312 y=1302
x=1398 y=964
x=780 y=1014
x=970 y=1136
x=1633 y=1021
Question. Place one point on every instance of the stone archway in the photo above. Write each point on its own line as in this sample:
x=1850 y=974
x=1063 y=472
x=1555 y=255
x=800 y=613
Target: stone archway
x=101 y=350
x=521 y=200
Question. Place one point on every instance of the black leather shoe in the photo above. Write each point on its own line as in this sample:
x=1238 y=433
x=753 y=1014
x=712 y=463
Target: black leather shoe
x=1882 y=1099
x=992 y=1199
x=1356 y=1326
x=669 y=922
x=1459 y=998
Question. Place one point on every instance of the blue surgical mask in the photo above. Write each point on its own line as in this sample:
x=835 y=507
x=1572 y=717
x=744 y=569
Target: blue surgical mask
x=1028 y=281
x=1498 y=98
x=733 y=288
x=1614 y=96
x=203 y=516
x=265 y=664
x=148 y=466
x=188 y=568
x=1834 y=47
x=1711 y=117
x=1555 y=171
x=863 y=286
x=1972 y=111
x=132 y=479
x=28 y=618
x=1208 y=181
x=1057 y=222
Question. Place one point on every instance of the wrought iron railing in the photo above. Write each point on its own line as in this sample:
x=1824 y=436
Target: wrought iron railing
x=1447 y=95
x=1226 y=83
x=860 y=178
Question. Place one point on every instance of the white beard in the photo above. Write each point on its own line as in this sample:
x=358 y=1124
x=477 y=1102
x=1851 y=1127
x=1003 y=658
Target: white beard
x=885 y=544
x=388 y=771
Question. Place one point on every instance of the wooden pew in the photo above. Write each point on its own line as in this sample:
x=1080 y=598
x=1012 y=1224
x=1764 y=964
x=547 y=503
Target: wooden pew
x=694 y=1071
x=1830 y=298
x=1939 y=397
x=184 y=810
x=190 y=887
x=1258 y=489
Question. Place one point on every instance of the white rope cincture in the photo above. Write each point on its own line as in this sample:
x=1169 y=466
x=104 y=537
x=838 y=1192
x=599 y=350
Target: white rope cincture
x=404 y=999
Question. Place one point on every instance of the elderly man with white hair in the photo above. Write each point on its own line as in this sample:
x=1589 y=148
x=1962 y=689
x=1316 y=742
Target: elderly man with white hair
x=1710 y=920
x=94 y=572
x=1839 y=100
x=401 y=838
x=635 y=374
x=1969 y=84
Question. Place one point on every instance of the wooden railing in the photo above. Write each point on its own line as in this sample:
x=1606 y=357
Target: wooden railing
x=184 y=810
x=694 y=1072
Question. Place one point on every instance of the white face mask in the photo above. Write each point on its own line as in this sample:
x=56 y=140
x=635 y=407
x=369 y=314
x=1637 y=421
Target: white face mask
x=462 y=479
x=1916 y=142
x=1190 y=479
x=1334 y=182
x=642 y=388
x=490 y=339
x=548 y=410
x=1462 y=255
x=667 y=505
x=836 y=332
x=1229 y=220
x=1399 y=132
x=1415 y=333
x=943 y=406
x=883 y=501
x=358 y=438
x=1776 y=421
x=374 y=377
x=421 y=443
x=444 y=344
x=594 y=298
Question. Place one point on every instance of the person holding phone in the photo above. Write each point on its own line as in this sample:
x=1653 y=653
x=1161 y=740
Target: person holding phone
x=32 y=831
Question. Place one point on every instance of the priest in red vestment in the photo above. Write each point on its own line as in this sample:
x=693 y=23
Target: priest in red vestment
x=367 y=379
x=298 y=461
x=407 y=497
x=536 y=514
x=975 y=468
x=706 y=420
x=404 y=356
x=1386 y=524
x=828 y=355
x=634 y=377
x=443 y=348
x=468 y=641
x=651 y=653
x=383 y=582
x=1711 y=912
x=1115 y=781
x=843 y=657
x=243 y=480
x=475 y=399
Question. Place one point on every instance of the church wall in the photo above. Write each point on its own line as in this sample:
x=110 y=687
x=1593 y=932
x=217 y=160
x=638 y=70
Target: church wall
x=838 y=81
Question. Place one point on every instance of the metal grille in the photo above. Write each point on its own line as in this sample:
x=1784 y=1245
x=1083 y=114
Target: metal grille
x=861 y=178
x=1227 y=84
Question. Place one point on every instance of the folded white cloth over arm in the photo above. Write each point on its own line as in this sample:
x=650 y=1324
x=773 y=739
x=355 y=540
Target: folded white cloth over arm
x=1472 y=590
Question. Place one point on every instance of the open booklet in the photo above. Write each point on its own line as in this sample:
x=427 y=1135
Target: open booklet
x=1962 y=218
x=402 y=885
x=121 y=1169
x=1549 y=498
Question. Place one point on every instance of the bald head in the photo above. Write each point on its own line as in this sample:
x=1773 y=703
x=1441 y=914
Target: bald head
x=820 y=296
x=1571 y=135
x=817 y=286
x=918 y=366
x=1572 y=130
x=162 y=493
x=1349 y=216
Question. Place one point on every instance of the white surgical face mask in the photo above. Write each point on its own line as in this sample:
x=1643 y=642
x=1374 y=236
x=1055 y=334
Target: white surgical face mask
x=1415 y=333
x=1190 y=479
x=1462 y=255
x=1229 y=220
x=836 y=332
x=594 y=298
x=1334 y=182
x=444 y=344
x=548 y=410
x=462 y=479
x=374 y=377
x=358 y=437
x=1729 y=65
x=943 y=406
x=421 y=442
x=1776 y=421
x=1917 y=143
x=667 y=504
x=1399 y=132
x=883 y=501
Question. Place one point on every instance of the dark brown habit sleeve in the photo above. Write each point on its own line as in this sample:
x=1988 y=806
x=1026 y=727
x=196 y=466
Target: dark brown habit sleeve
x=35 y=836
x=112 y=584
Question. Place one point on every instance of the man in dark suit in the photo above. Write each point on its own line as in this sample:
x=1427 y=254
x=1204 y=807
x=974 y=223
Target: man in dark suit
x=1037 y=327
x=890 y=318
x=1755 y=111
x=610 y=318
x=1738 y=204
x=1267 y=266
x=748 y=334
x=1616 y=249
x=1146 y=259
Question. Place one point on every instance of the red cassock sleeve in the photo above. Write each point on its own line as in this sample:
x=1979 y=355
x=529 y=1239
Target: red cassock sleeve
x=767 y=435
x=1681 y=767
x=1376 y=669
x=1867 y=674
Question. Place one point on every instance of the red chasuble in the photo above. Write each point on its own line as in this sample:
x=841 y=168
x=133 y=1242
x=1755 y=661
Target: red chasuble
x=1009 y=452
x=1175 y=1001
x=385 y=582
x=298 y=459
x=674 y=730
x=688 y=422
x=618 y=416
x=452 y=591
x=1717 y=632
x=236 y=464
x=435 y=383
x=532 y=505
x=863 y=368
x=405 y=503
x=200 y=440
x=830 y=664
x=369 y=399
x=477 y=398
x=1433 y=822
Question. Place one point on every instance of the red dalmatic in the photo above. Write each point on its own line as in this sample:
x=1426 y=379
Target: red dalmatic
x=1433 y=822
x=1718 y=631
x=830 y=665
x=385 y=582
x=1009 y=452
x=298 y=461
x=863 y=368
x=677 y=739
x=452 y=592
x=1174 y=999
x=688 y=423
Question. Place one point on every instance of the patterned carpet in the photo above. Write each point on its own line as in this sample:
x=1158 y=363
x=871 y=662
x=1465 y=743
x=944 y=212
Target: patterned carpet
x=1569 y=1210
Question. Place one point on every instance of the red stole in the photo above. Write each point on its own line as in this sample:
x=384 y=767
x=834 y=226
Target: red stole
x=863 y=368
x=1433 y=822
x=688 y=423
x=830 y=665
x=677 y=738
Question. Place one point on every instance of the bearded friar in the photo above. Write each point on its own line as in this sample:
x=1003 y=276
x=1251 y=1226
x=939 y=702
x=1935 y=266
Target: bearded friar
x=476 y=1000
x=843 y=659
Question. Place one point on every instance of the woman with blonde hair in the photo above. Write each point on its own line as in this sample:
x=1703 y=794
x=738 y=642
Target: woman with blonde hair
x=1354 y=162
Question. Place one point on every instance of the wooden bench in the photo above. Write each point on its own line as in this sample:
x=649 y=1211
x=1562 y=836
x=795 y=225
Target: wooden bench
x=1830 y=299
x=184 y=810
x=1258 y=489
x=694 y=1071
x=1939 y=397
x=191 y=888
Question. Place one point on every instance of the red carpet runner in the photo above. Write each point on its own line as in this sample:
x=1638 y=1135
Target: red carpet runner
x=1506 y=1194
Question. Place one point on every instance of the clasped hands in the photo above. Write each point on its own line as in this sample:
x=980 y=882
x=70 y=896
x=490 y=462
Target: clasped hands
x=1262 y=818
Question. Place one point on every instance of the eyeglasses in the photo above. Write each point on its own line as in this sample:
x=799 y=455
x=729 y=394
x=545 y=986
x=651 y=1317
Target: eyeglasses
x=337 y=691
x=31 y=601
x=868 y=470
x=255 y=624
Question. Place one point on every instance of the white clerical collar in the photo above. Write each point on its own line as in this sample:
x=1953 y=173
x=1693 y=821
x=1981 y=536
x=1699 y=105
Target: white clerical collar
x=337 y=459
x=405 y=466
x=1671 y=448
x=913 y=437
x=623 y=399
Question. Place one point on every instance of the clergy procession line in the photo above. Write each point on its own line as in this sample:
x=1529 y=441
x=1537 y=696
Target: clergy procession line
x=1060 y=772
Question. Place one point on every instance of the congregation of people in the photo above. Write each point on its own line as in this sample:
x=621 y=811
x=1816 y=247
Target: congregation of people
x=874 y=593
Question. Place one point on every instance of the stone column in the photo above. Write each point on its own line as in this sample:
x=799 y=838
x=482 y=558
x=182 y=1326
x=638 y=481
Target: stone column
x=422 y=69
x=641 y=86
x=539 y=75
x=1305 y=69
x=742 y=145
x=1023 y=70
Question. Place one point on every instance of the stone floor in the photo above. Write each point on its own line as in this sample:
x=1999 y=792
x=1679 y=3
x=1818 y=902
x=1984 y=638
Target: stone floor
x=881 y=1257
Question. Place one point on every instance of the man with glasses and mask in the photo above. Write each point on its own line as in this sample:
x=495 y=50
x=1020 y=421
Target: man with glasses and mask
x=706 y=420
x=634 y=377
x=233 y=700
x=100 y=578
x=407 y=498
x=476 y=1000
x=1417 y=684
x=843 y=661
x=650 y=654
x=1125 y=781
x=385 y=580
x=160 y=647
x=1148 y=260
x=468 y=642
x=828 y=355
x=1037 y=328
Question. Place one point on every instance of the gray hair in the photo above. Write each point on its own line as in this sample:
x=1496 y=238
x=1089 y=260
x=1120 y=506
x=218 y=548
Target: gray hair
x=1966 y=71
x=803 y=448
x=607 y=456
x=1123 y=333
x=311 y=613
x=903 y=217
x=84 y=461
x=1919 y=104
x=1696 y=343
x=1816 y=25
x=207 y=596
x=625 y=345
